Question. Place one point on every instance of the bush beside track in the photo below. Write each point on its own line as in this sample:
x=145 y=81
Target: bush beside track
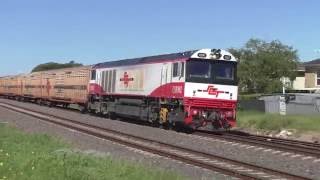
x=28 y=156
x=259 y=120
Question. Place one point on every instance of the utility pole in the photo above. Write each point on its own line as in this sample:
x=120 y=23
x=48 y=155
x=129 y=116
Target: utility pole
x=283 y=85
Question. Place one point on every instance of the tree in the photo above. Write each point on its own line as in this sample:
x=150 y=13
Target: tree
x=53 y=65
x=263 y=64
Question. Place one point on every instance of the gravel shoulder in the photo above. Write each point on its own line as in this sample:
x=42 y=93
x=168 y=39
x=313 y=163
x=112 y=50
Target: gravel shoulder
x=289 y=162
x=99 y=147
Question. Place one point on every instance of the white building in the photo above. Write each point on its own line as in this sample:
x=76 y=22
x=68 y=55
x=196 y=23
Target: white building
x=308 y=77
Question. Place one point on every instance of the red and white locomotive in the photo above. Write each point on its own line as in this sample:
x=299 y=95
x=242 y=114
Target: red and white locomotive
x=194 y=88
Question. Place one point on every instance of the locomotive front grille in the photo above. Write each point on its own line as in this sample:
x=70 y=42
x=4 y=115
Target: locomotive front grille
x=209 y=103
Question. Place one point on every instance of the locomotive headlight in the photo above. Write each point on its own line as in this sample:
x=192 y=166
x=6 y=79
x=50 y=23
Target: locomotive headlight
x=194 y=112
x=227 y=57
x=229 y=114
x=202 y=55
x=204 y=115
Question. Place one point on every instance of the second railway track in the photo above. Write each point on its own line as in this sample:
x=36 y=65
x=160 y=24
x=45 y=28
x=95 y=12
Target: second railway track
x=207 y=161
x=300 y=147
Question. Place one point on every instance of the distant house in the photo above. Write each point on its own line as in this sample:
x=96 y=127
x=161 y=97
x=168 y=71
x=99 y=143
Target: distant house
x=308 y=77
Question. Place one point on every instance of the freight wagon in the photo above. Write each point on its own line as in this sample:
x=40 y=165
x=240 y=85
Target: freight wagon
x=61 y=86
x=10 y=86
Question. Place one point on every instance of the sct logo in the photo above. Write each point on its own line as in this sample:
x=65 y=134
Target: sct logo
x=212 y=91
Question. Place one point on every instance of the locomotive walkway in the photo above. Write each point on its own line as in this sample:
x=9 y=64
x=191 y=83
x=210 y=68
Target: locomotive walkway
x=207 y=161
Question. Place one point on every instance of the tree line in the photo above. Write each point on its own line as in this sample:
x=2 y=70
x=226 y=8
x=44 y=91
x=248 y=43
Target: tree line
x=263 y=64
x=54 y=65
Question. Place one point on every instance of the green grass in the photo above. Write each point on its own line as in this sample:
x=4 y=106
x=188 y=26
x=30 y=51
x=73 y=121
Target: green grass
x=39 y=157
x=302 y=123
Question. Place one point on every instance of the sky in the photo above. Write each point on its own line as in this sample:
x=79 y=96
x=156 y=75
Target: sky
x=93 y=31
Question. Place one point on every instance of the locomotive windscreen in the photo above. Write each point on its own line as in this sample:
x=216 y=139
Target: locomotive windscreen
x=211 y=72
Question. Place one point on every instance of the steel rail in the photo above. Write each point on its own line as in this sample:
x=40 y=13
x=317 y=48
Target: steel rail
x=274 y=143
x=208 y=161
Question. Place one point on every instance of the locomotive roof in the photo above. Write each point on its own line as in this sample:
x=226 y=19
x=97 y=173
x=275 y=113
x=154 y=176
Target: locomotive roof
x=142 y=60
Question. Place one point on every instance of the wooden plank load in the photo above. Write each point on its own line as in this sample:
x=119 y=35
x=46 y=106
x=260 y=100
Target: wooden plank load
x=64 y=86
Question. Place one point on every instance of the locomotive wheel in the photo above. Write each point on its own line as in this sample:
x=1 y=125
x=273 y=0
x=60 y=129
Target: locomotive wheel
x=83 y=109
x=39 y=102
x=91 y=111
x=170 y=126
x=52 y=104
x=112 y=115
x=166 y=126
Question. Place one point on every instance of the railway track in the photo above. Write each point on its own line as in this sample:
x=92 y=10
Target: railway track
x=222 y=165
x=275 y=139
x=300 y=147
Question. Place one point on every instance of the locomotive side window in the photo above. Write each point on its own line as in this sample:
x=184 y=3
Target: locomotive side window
x=181 y=72
x=318 y=78
x=178 y=69
x=93 y=75
x=175 y=70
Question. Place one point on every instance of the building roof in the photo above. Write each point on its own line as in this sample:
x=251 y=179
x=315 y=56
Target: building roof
x=301 y=67
x=312 y=63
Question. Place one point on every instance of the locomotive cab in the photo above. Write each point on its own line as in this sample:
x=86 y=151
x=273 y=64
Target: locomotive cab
x=211 y=90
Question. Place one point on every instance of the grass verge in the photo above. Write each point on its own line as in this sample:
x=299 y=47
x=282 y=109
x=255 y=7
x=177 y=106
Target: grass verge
x=302 y=123
x=38 y=157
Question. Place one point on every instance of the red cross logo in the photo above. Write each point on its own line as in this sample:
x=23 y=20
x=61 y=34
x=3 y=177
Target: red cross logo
x=48 y=86
x=126 y=79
